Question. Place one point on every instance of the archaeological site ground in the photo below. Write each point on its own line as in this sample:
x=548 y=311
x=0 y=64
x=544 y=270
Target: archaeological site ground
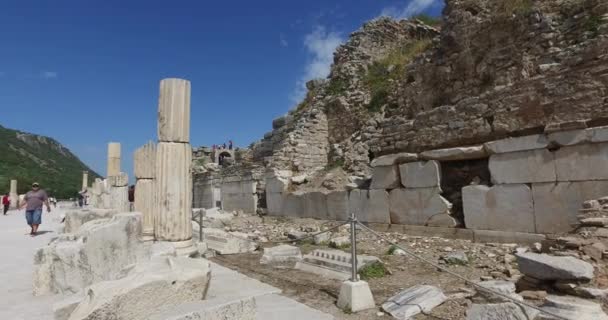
x=447 y=168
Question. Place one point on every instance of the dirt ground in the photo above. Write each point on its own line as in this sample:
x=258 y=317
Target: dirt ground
x=320 y=293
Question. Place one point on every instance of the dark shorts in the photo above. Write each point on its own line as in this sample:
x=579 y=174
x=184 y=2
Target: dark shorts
x=33 y=216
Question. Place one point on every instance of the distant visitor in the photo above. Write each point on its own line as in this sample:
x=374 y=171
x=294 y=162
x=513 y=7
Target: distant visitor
x=6 y=203
x=131 y=197
x=33 y=202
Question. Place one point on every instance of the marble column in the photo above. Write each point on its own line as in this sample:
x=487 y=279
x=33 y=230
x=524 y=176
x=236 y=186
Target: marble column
x=119 y=192
x=113 y=159
x=144 y=167
x=13 y=196
x=85 y=180
x=173 y=167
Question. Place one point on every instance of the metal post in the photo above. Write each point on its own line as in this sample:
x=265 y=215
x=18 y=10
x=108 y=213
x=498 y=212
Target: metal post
x=353 y=247
x=200 y=226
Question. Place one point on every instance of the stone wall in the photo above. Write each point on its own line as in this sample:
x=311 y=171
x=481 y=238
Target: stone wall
x=538 y=183
x=231 y=192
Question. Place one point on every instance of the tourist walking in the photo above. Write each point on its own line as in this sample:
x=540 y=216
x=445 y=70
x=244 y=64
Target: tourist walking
x=33 y=202
x=6 y=203
x=229 y=144
x=80 y=199
x=131 y=198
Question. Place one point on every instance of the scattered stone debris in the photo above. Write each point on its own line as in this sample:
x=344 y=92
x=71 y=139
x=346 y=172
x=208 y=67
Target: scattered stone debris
x=225 y=243
x=334 y=264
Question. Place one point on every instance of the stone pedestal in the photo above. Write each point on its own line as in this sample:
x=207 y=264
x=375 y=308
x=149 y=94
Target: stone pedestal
x=355 y=296
x=113 y=159
x=13 y=196
x=173 y=212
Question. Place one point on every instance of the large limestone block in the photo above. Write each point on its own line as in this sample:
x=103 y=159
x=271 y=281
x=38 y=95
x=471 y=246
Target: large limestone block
x=370 y=205
x=385 y=177
x=392 y=159
x=174 y=192
x=174 y=111
x=525 y=143
x=501 y=208
x=247 y=202
x=315 y=205
x=582 y=162
x=417 y=206
x=145 y=200
x=569 y=138
x=598 y=134
x=453 y=154
x=276 y=184
x=420 y=174
x=144 y=161
x=337 y=206
x=76 y=218
x=293 y=205
x=556 y=204
x=97 y=252
x=500 y=311
x=546 y=267
x=523 y=167
x=239 y=187
x=274 y=203
x=148 y=289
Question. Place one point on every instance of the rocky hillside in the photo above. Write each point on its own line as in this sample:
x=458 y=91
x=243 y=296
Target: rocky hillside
x=28 y=157
x=488 y=70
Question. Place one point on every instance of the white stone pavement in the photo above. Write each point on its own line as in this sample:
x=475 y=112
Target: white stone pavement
x=16 y=268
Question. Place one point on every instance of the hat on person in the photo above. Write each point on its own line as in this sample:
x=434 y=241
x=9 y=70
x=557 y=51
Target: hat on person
x=35 y=184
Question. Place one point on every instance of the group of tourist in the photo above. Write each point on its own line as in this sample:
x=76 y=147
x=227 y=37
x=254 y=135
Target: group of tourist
x=33 y=202
x=222 y=146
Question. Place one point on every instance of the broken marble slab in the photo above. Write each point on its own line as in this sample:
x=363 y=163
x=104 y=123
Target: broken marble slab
x=500 y=311
x=414 y=300
x=281 y=254
x=572 y=308
x=225 y=243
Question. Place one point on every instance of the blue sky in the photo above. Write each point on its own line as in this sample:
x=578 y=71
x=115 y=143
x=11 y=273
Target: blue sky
x=87 y=72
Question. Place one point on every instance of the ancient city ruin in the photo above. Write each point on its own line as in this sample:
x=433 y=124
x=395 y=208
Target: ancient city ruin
x=440 y=172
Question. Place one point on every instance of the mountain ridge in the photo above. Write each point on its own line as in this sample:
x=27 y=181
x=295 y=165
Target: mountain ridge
x=29 y=157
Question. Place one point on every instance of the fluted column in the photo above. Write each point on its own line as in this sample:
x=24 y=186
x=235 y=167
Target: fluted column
x=85 y=180
x=145 y=187
x=173 y=166
x=113 y=159
x=13 y=196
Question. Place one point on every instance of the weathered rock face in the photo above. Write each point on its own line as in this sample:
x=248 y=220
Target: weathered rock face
x=149 y=288
x=97 y=252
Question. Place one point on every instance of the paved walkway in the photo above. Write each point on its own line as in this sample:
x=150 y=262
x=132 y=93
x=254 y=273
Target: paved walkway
x=16 y=268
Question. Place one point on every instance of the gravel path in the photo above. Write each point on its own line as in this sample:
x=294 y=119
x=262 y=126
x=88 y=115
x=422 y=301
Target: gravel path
x=16 y=266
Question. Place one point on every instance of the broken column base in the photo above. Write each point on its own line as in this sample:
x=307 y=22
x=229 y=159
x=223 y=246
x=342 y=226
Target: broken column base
x=184 y=248
x=355 y=296
x=147 y=235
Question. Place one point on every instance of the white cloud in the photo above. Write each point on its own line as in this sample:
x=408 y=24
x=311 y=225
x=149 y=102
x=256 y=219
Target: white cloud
x=320 y=45
x=283 y=40
x=412 y=8
x=49 y=75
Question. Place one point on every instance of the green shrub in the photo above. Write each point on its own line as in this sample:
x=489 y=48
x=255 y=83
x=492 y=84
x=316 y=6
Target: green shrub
x=391 y=250
x=337 y=86
x=428 y=20
x=392 y=67
x=373 y=270
x=507 y=8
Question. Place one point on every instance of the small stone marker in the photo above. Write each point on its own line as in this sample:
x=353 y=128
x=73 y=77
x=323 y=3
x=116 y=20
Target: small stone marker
x=414 y=300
